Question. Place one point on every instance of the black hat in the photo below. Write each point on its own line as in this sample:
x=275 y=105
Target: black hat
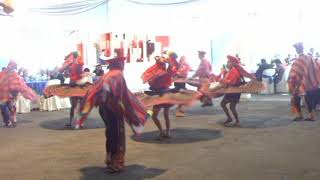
x=202 y=52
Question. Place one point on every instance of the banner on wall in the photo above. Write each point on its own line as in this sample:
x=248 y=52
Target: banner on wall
x=164 y=40
x=107 y=52
x=80 y=52
x=105 y=43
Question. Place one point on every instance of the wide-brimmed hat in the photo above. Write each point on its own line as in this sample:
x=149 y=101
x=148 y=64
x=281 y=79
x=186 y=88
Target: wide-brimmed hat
x=233 y=60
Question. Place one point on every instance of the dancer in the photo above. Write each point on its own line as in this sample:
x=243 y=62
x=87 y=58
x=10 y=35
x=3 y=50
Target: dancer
x=116 y=104
x=11 y=84
x=160 y=79
x=73 y=65
x=204 y=73
x=182 y=72
x=234 y=77
x=304 y=81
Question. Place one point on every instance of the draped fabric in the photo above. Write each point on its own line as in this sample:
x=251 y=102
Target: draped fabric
x=304 y=75
x=244 y=73
x=11 y=84
x=183 y=97
x=183 y=70
x=66 y=90
x=188 y=97
x=250 y=87
x=193 y=82
x=161 y=82
x=158 y=76
x=153 y=72
x=74 y=64
x=111 y=91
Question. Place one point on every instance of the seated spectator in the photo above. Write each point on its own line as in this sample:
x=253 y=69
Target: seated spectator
x=42 y=76
x=25 y=75
x=87 y=76
x=288 y=60
x=262 y=66
x=98 y=71
x=55 y=74
x=102 y=57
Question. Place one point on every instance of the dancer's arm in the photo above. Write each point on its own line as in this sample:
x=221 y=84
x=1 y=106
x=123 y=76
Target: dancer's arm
x=245 y=73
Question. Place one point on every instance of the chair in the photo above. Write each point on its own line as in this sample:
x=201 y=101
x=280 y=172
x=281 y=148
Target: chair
x=267 y=74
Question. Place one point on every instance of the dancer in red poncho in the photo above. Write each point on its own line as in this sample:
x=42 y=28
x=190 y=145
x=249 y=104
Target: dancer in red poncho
x=116 y=104
x=234 y=77
x=160 y=79
x=10 y=85
x=304 y=82
x=73 y=66
x=204 y=74
x=182 y=72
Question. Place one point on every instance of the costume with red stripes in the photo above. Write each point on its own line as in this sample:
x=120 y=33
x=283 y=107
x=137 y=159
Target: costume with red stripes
x=11 y=84
x=116 y=105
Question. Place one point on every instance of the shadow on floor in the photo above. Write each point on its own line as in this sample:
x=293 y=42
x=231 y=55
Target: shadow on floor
x=132 y=172
x=255 y=121
x=59 y=124
x=180 y=136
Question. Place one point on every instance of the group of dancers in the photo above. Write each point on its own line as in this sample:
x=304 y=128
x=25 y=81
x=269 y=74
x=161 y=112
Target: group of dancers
x=117 y=103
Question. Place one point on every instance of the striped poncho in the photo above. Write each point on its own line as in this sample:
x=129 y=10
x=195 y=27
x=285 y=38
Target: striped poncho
x=11 y=83
x=304 y=75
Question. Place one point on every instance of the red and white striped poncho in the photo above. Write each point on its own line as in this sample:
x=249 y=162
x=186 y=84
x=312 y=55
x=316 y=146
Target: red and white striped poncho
x=304 y=75
x=112 y=88
x=11 y=83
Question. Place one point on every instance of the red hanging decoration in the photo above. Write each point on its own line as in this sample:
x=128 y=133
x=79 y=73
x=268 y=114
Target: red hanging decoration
x=107 y=51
